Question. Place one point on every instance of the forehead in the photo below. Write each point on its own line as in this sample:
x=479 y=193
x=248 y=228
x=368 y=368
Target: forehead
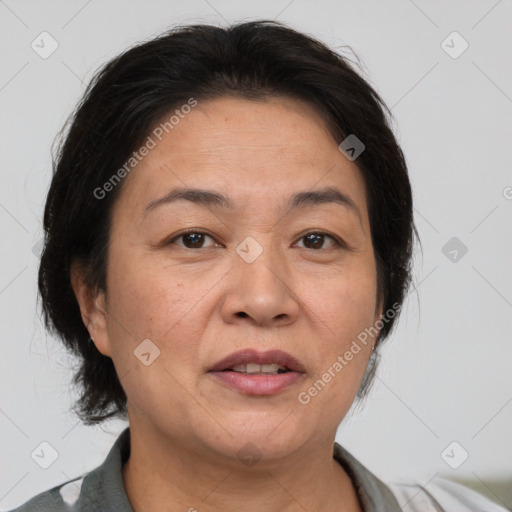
x=231 y=128
x=249 y=150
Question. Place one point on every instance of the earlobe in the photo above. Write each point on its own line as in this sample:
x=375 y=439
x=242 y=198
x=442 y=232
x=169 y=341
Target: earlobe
x=92 y=308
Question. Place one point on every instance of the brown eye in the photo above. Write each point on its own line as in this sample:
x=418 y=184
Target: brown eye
x=316 y=241
x=192 y=240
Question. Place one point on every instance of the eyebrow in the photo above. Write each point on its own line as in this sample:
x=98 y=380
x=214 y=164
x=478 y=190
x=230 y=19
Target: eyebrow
x=212 y=199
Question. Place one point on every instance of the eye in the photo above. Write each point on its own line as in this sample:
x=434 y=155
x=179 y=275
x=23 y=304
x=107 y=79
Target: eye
x=315 y=240
x=193 y=239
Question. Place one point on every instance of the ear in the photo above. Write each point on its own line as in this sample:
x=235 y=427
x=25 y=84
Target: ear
x=379 y=308
x=92 y=308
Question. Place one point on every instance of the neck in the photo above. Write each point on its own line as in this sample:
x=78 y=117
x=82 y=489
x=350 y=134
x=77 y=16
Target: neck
x=167 y=475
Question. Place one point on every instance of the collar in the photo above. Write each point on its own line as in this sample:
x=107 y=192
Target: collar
x=373 y=494
x=103 y=489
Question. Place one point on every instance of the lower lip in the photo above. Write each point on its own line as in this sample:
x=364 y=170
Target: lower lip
x=258 y=384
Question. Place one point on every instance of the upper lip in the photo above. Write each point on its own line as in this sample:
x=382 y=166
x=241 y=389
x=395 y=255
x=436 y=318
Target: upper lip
x=247 y=356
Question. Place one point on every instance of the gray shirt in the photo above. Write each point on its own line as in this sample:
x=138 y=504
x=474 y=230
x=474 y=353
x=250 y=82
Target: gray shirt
x=102 y=490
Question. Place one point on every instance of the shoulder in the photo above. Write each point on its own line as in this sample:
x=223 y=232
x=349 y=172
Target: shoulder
x=438 y=495
x=101 y=489
x=61 y=498
x=441 y=495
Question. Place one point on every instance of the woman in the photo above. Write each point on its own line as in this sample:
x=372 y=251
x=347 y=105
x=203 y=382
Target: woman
x=229 y=233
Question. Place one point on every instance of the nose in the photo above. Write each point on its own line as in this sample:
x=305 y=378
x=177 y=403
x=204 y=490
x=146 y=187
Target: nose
x=260 y=292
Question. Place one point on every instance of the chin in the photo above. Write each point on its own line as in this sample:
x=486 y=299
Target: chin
x=264 y=435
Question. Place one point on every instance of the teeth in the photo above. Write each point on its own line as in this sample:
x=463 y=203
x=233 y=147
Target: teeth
x=258 y=368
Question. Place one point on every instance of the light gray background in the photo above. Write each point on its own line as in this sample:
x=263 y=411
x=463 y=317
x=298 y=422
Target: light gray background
x=446 y=374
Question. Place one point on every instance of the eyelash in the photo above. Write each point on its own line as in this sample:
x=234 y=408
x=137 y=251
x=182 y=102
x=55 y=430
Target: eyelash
x=337 y=241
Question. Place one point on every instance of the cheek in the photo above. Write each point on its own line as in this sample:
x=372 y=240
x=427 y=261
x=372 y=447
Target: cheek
x=149 y=300
x=167 y=305
x=156 y=304
x=344 y=308
x=345 y=303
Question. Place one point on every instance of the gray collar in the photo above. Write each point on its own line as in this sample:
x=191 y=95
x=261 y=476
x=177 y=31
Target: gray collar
x=373 y=494
x=103 y=489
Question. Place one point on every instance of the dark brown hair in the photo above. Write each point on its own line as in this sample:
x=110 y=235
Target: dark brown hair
x=131 y=93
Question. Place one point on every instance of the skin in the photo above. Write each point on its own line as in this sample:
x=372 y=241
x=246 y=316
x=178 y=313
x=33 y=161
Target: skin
x=310 y=300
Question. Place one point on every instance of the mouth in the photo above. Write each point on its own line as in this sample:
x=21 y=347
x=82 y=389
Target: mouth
x=258 y=369
x=258 y=373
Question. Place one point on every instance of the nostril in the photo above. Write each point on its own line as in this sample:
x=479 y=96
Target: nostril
x=242 y=314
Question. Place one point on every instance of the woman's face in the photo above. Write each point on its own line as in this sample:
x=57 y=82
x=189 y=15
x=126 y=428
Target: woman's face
x=199 y=298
